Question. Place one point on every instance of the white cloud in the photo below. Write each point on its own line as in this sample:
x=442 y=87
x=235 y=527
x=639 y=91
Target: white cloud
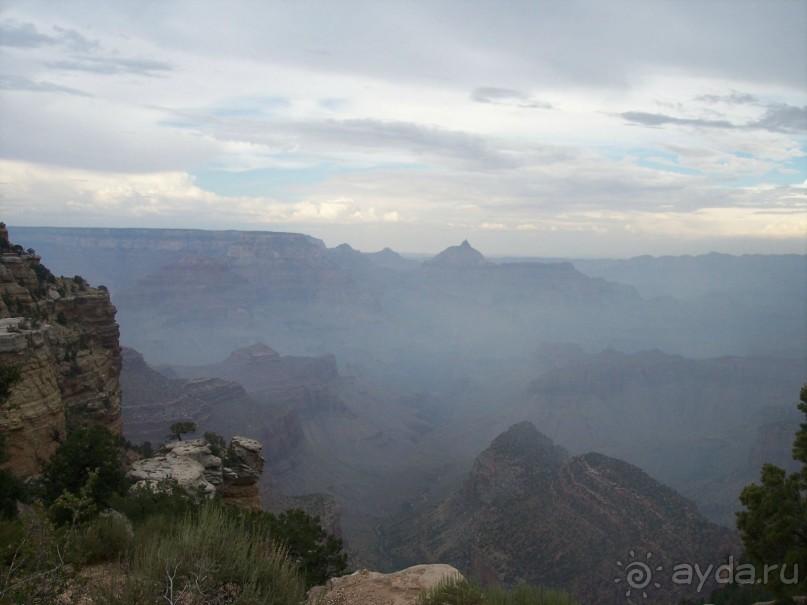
x=147 y=197
x=501 y=121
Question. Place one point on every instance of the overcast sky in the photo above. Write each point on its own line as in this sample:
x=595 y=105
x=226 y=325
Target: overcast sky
x=545 y=128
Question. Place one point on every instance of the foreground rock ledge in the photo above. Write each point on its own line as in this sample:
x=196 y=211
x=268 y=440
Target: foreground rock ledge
x=193 y=466
x=372 y=588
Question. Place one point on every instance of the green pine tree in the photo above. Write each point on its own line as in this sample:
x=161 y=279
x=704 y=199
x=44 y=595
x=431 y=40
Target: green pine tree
x=774 y=522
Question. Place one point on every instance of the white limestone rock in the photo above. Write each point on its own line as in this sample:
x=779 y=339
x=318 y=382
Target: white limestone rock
x=190 y=463
x=365 y=587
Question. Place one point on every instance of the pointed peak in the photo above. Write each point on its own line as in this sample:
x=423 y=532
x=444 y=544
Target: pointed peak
x=390 y=259
x=386 y=252
x=523 y=440
x=345 y=249
x=462 y=256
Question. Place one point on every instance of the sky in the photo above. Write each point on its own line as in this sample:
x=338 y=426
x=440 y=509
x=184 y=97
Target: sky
x=605 y=128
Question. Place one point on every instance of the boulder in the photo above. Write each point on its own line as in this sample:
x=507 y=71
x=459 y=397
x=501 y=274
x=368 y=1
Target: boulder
x=372 y=588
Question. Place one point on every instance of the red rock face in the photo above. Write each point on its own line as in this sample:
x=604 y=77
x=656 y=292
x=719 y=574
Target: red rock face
x=62 y=336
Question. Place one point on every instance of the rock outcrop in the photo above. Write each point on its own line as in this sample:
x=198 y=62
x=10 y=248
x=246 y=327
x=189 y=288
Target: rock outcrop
x=240 y=486
x=62 y=336
x=302 y=382
x=195 y=467
x=369 y=587
x=152 y=402
x=529 y=513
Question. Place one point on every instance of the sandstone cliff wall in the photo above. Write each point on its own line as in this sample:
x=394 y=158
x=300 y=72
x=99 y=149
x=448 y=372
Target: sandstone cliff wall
x=62 y=336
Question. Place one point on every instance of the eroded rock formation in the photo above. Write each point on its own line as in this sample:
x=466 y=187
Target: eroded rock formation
x=529 y=513
x=195 y=467
x=62 y=336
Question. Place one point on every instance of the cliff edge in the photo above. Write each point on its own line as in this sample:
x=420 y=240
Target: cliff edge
x=61 y=335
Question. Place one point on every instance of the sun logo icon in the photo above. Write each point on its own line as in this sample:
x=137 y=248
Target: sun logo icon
x=638 y=575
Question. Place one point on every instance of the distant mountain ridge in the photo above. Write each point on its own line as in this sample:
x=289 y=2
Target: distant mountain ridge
x=183 y=294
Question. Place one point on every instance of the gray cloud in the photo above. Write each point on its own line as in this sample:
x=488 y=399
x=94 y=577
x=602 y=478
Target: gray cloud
x=21 y=83
x=733 y=98
x=113 y=65
x=489 y=94
x=507 y=96
x=26 y=35
x=588 y=44
x=415 y=137
x=655 y=120
x=22 y=35
x=358 y=135
x=783 y=118
x=779 y=117
x=74 y=40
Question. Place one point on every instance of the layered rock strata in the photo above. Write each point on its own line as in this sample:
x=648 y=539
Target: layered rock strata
x=62 y=337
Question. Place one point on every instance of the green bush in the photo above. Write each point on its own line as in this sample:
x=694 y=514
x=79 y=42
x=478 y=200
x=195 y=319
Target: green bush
x=459 y=591
x=734 y=593
x=43 y=274
x=453 y=591
x=105 y=538
x=82 y=452
x=210 y=556
x=317 y=553
x=181 y=428
x=32 y=564
x=9 y=376
x=169 y=501
x=218 y=447
x=12 y=489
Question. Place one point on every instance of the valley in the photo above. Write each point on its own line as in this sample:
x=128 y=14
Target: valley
x=378 y=385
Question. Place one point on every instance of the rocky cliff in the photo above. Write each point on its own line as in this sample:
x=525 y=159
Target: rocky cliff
x=62 y=336
x=529 y=513
x=119 y=257
x=152 y=402
x=688 y=422
x=302 y=382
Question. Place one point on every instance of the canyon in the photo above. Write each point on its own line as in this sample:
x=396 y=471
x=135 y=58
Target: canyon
x=374 y=381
